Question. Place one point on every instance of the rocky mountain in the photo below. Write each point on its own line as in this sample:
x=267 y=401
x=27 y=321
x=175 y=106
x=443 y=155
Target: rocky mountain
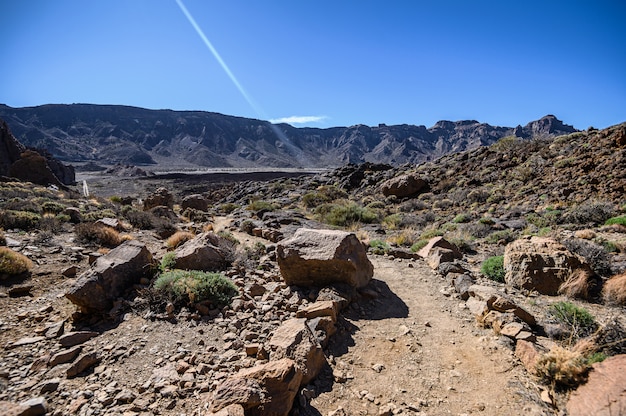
x=37 y=166
x=110 y=134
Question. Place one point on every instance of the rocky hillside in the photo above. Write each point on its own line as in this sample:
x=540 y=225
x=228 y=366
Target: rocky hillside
x=109 y=134
x=33 y=165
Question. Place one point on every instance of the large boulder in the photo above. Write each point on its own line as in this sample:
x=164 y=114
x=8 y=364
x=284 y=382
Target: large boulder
x=97 y=288
x=264 y=390
x=604 y=394
x=324 y=257
x=195 y=201
x=160 y=197
x=541 y=264
x=295 y=340
x=207 y=251
x=403 y=186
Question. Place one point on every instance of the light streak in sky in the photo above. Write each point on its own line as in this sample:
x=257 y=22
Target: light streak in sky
x=219 y=59
x=281 y=135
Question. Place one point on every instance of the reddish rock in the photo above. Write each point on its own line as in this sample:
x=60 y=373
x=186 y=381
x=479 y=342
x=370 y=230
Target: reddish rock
x=439 y=242
x=265 y=390
x=206 y=251
x=540 y=264
x=404 y=186
x=160 y=197
x=294 y=340
x=528 y=354
x=604 y=394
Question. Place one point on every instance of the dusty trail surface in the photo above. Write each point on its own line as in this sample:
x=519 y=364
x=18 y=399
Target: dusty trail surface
x=412 y=348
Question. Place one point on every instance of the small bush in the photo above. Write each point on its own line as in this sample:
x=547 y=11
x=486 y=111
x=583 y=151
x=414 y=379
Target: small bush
x=501 y=237
x=562 y=368
x=406 y=237
x=23 y=220
x=178 y=238
x=12 y=262
x=345 y=215
x=141 y=219
x=590 y=213
x=462 y=218
x=260 y=205
x=621 y=220
x=614 y=290
x=420 y=244
x=578 y=320
x=52 y=207
x=168 y=262
x=493 y=268
x=379 y=247
x=195 y=286
x=100 y=234
x=391 y=221
x=227 y=235
x=3 y=240
x=228 y=207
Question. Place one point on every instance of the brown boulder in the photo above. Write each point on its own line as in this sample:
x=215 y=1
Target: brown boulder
x=604 y=394
x=541 y=264
x=294 y=340
x=404 y=186
x=324 y=257
x=207 y=251
x=97 y=288
x=195 y=201
x=264 y=390
x=439 y=242
x=160 y=197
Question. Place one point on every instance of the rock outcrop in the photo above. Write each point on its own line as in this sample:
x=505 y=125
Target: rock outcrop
x=541 y=264
x=29 y=165
x=604 y=394
x=97 y=288
x=404 y=186
x=324 y=257
x=267 y=389
x=159 y=198
x=206 y=251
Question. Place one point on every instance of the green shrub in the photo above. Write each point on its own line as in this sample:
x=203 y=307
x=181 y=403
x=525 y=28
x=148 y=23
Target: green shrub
x=379 y=247
x=228 y=207
x=23 y=220
x=12 y=262
x=260 y=205
x=493 y=268
x=52 y=207
x=195 y=286
x=345 y=215
x=578 y=320
x=590 y=212
x=168 y=262
x=419 y=245
x=391 y=221
x=621 y=220
x=227 y=235
x=462 y=218
x=431 y=233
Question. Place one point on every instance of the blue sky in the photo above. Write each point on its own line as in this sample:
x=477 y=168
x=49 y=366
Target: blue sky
x=337 y=63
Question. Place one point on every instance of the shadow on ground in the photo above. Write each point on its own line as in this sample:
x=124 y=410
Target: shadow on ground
x=375 y=302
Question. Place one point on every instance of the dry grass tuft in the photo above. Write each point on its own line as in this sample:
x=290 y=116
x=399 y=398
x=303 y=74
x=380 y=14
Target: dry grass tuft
x=614 y=290
x=585 y=234
x=12 y=262
x=579 y=285
x=100 y=234
x=562 y=367
x=178 y=238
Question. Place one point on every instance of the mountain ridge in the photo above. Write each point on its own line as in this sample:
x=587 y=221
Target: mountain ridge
x=115 y=134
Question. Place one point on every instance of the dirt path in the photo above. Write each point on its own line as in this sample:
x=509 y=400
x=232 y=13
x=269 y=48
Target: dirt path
x=412 y=348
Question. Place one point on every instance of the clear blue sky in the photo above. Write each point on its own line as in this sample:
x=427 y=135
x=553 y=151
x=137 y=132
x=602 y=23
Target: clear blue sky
x=344 y=62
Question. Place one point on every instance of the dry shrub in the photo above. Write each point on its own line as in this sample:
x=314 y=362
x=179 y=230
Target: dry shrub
x=406 y=237
x=91 y=232
x=178 y=238
x=3 y=240
x=614 y=290
x=562 y=367
x=580 y=285
x=12 y=262
x=585 y=234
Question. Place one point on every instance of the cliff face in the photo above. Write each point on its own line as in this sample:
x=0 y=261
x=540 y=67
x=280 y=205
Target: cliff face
x=129 y=135
x=30 y=165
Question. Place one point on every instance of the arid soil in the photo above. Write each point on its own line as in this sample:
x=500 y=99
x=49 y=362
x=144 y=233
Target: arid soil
x=405 y=347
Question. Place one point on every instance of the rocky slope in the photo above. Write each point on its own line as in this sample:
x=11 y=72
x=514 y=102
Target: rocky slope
x=118 y=134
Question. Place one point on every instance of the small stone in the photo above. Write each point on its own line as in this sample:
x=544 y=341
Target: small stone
x=26 y=341
x=83 y=363
x=125 y=397
x=55 y=330
x=378 y=367
x=64 y=356
x=75 y=338
x=70 y=271
x=49 y=386
x=19 y=291
x=34 y=407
